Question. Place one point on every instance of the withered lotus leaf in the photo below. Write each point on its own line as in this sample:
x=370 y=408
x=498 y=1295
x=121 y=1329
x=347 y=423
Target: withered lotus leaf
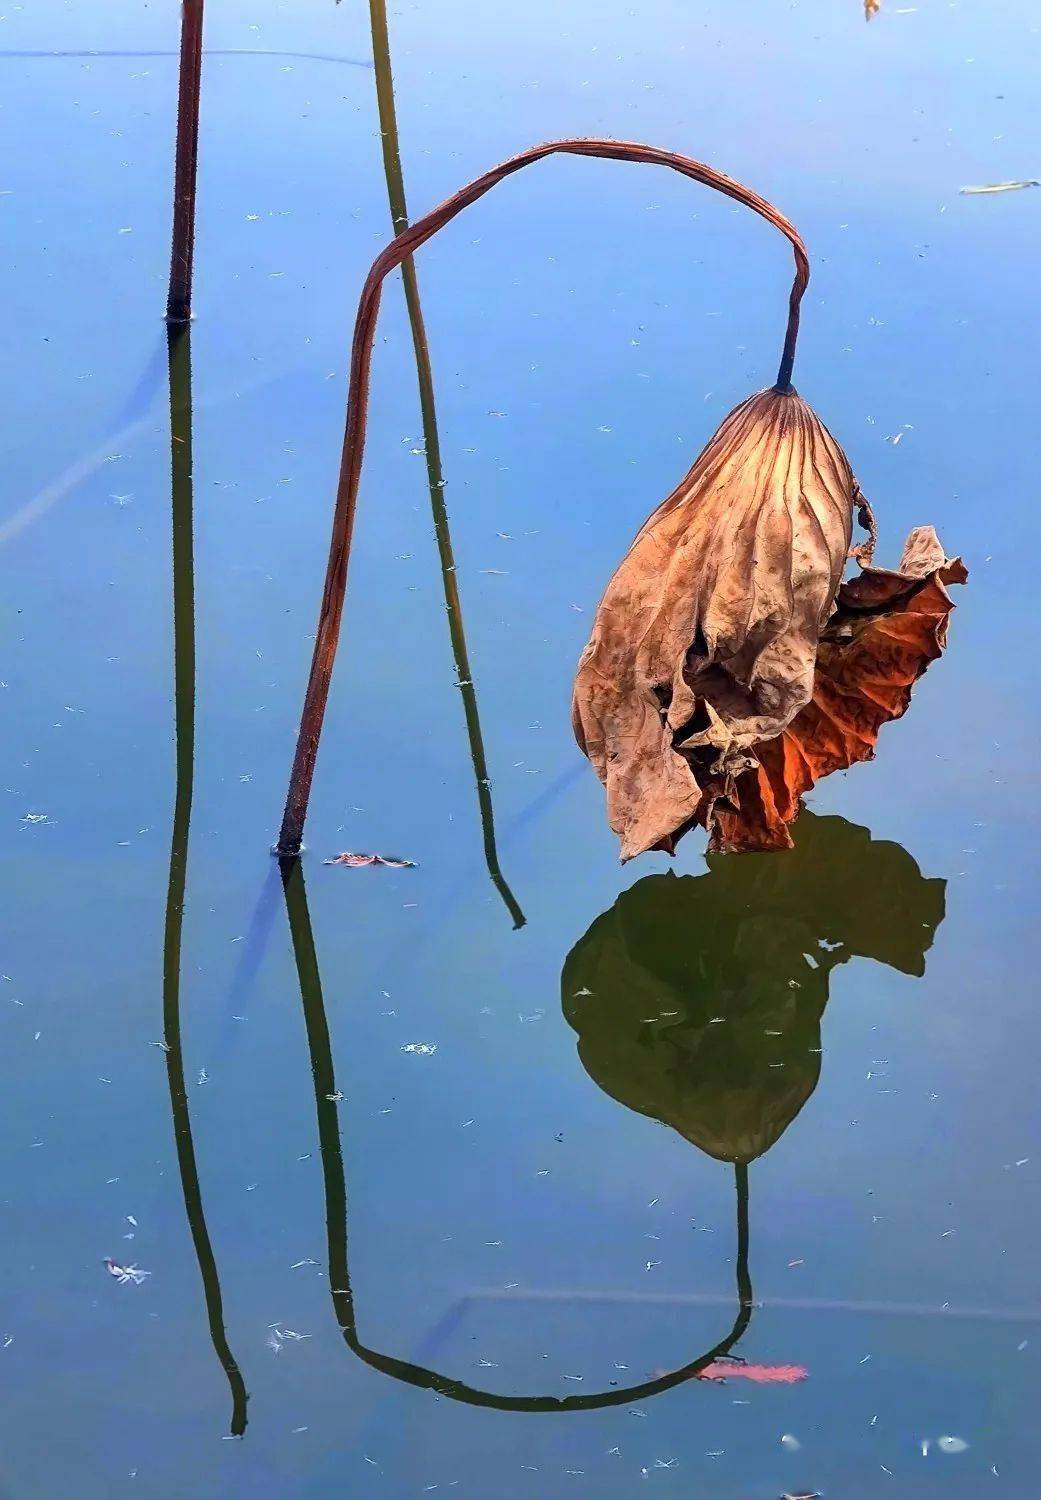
x=705 y=642
x=707 y=693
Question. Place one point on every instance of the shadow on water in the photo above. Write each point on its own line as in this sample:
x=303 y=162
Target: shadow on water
x=698 y=999
x=184 y=711
x=432 y=451
x=335 y=1186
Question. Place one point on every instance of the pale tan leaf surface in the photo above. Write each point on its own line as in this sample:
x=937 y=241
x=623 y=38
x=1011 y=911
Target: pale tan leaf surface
x=704 y=643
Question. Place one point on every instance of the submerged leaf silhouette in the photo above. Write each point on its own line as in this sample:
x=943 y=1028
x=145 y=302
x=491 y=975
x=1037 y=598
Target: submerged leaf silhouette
x=698 y=1000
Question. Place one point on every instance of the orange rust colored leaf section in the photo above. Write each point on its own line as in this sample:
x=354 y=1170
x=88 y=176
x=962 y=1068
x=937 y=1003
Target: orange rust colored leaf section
x=886 y=629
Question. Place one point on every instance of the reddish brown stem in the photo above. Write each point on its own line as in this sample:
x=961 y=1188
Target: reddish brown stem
x=404 y=245
x=186 y=158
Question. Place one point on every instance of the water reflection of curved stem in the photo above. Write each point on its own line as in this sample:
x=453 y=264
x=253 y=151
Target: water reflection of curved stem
x=326 y=1096
x=179 y=347
x=432 y=450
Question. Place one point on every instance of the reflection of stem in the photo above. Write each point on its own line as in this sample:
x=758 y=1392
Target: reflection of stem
x=400 y=249
x=184 y=711
x=432 y=449
x=744 y=1277
x=325 y=1096
x=182 y=250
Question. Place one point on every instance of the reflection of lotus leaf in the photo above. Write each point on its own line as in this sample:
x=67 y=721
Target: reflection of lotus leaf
x=698 y=1000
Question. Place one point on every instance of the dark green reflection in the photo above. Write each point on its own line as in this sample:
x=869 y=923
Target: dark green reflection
x=432 y=450
x=327 y=1106
x=698 y=999
x=180 y=366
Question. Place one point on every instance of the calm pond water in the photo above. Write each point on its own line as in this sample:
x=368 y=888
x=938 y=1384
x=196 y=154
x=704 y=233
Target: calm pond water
x=466 y=1205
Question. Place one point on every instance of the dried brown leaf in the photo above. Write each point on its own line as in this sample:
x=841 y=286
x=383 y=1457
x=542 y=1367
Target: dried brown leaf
x=704 y=643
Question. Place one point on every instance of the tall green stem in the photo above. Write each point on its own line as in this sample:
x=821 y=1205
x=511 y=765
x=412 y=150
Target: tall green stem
x=179 y=347
x=432 y=450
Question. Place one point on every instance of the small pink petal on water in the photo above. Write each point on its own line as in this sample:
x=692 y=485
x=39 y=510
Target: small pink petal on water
x=761 y=1374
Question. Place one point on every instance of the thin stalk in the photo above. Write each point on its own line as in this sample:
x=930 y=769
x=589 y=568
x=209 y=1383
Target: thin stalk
x=401 y=247
x=184 y=718
x=186 y=160
x=432 y=450
x=326 y=1097
x=744 y=1278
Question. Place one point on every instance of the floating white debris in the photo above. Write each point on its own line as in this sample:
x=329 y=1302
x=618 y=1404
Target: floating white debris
x=951 y=1444
x=424 y=1049
x=126 y=1275
x=1003 y=187
x=278 y=1336
x=791 y=1443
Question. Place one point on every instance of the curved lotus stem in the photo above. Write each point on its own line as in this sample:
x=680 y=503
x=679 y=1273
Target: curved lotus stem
x=399 y=249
